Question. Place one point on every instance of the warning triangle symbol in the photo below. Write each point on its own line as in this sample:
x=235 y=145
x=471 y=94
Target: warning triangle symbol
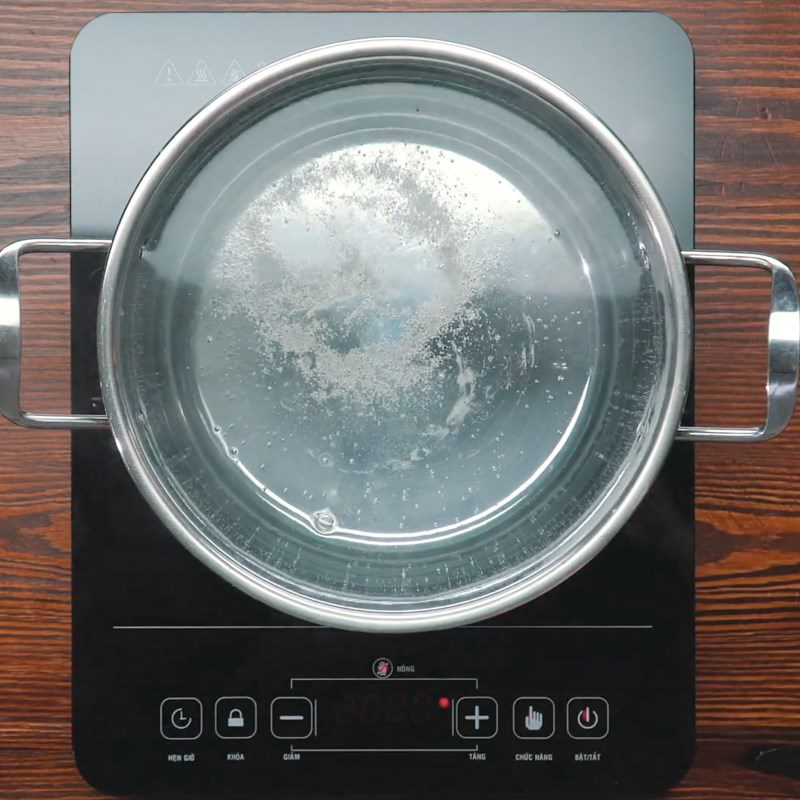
x=233 y=73
x=168 y=75
x=201 y=74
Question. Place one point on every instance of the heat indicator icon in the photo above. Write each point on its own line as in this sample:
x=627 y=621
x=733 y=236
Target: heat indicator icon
x=382 y=668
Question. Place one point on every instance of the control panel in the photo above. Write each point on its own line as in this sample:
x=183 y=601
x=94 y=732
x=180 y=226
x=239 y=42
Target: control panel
x=393 y=715
x=293 y=709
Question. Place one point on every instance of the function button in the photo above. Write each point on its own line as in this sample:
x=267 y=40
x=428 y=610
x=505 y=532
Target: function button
x=235 y=718
x=181 y=718
x=476 y=717
x=587 y=718
x=534 y=717
x=291 y=717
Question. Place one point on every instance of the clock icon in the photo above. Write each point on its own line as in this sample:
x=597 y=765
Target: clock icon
x=181 y=718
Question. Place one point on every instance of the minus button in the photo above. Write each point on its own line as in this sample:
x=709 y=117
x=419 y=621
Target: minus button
x=291 y=717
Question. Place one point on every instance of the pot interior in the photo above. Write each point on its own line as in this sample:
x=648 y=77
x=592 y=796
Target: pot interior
x=393 y=340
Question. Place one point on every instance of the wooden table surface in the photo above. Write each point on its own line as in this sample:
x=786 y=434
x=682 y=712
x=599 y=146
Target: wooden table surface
x=748 y=497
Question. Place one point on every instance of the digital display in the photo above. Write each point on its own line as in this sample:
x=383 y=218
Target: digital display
x=385 y=714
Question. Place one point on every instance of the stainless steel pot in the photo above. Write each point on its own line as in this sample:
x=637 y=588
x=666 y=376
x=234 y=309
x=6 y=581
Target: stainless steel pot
x=395 y=335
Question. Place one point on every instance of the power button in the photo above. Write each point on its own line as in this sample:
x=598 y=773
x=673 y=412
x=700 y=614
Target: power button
x=587 y=718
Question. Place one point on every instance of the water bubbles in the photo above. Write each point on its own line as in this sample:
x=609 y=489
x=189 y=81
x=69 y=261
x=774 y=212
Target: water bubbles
x=643 y=254
x=324 y=521
x=381 y=366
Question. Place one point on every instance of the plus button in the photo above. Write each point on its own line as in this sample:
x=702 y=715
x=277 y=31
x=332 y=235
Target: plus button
x=476 y=717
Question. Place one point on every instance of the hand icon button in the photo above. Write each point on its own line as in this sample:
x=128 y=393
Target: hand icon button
x=534 y=720
x=534 y=717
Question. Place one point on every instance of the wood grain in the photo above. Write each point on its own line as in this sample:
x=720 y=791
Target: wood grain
x=748 y=498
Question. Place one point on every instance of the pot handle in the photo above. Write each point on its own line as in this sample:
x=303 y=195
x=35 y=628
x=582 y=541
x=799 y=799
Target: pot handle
x=11 y=335
x=783 y=345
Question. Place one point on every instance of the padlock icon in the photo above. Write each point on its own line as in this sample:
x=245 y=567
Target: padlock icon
x=235 y=718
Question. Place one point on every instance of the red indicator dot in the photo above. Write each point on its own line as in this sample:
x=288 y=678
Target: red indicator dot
x=444 y=702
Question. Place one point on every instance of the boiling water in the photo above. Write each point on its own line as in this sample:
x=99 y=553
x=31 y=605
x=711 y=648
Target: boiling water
x=393 y=342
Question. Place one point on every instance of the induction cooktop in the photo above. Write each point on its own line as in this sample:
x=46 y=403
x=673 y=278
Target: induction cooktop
x=181 y=683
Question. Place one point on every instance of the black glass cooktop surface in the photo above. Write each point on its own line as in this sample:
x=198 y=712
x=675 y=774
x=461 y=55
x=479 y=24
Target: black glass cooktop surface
x=181 y=683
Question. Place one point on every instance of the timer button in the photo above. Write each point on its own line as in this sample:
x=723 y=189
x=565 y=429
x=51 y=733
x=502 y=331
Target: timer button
x=181 y=718
x=587 y=718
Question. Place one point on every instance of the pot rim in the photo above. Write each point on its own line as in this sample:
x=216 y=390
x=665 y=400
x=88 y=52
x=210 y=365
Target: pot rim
x=389 y=619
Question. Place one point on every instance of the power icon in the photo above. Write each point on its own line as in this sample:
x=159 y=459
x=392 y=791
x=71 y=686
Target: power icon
x=588 y=718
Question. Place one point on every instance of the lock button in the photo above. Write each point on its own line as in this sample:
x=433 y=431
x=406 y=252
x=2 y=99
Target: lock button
x=235 y=717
